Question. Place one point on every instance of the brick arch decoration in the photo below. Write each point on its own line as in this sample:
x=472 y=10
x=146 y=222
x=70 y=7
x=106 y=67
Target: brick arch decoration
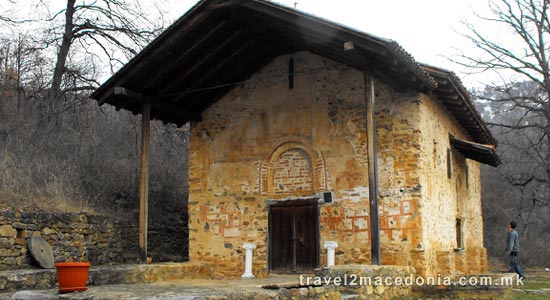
x=293 y=169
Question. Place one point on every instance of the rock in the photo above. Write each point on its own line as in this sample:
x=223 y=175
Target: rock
x=19 y=225
x=48 y=231
x=5 y=243
x=8 y=231
x=33 y=227
x=41 y=251
x=28 y=295
x=77 y=296
x=10 y=261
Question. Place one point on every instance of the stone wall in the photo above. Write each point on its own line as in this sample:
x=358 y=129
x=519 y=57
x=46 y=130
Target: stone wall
x=314 y=133
x=264 y=142
x=89 y=237
x=73 y=237
x=448 y=199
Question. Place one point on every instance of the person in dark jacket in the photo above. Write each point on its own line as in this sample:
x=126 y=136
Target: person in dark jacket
x=512 y=249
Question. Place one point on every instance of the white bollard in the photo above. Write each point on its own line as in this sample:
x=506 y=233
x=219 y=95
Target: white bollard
x=248 y=260
x=330 y=246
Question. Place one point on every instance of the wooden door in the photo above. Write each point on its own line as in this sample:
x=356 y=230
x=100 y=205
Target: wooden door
x=293 y=237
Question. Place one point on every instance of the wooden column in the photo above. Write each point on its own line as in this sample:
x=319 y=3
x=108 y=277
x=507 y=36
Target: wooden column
x=144 y=179
x=372 y=157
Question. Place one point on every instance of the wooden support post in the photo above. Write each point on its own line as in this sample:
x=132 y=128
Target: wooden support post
x=373 y=168
x=144 y=179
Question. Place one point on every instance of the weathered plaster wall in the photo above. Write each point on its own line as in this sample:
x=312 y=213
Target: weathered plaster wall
x=446 y=200
x=315 y=133
x=397 y=121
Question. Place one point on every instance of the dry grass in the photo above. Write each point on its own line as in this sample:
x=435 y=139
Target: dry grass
x=86 y=159
x=17 y=190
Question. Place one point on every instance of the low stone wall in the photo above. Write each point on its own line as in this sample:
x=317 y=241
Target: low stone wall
x=14 y=280
x=98 y=239
x=73 y=237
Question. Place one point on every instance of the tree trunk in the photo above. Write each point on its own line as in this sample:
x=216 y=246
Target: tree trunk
x=63 y=52
x=547 y=162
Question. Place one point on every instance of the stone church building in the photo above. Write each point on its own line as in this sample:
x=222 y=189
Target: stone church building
x=278 y=154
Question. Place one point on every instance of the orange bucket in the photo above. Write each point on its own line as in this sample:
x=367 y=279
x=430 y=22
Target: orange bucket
x=72 y=276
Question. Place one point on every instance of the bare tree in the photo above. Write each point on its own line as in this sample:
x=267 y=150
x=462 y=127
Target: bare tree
x=21 y=65
x=518 y=109
x=527 y=57
x=70 y=154
x=4 y=18
x=112 y=30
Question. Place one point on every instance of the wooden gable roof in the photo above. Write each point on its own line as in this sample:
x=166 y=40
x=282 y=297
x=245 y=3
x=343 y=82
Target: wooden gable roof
x=195 y=61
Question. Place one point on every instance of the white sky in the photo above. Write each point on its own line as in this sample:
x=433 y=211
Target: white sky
x=427 y=29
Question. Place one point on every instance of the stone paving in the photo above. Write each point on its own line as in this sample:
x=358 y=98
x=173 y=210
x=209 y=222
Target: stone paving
x=183 y=289
x=287 y=287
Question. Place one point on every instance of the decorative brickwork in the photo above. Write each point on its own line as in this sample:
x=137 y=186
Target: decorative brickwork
x=292 y=170
x=292 y=173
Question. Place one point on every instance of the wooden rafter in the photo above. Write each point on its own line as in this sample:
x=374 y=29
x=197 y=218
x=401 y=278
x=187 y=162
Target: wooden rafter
x=157 y=105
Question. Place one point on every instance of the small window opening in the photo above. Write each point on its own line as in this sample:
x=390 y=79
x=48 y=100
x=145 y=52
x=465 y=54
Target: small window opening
x=449 y=164
x=459 y=242
x=290 y=73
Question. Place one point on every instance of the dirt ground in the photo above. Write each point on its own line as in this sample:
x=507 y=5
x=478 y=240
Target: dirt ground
x=536 y=287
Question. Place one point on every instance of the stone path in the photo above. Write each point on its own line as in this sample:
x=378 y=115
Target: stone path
x=185 y=289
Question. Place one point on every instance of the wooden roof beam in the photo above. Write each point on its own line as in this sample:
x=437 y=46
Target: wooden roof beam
x=197 y=64
x=157 y=105
x=152 y=52
x=454 y=104
x=462 y=112
x=205 y=76
x=194 y=46
x=230 y=76
x=453 y=96
x=234 y=75
x=446 y=89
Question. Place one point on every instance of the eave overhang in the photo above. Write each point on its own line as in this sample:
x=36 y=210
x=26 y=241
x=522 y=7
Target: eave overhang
x=219 y=43
x=485 y=154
